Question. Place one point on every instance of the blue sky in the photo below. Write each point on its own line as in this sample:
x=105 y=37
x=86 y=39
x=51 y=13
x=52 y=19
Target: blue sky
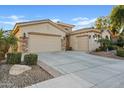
x=81 y=16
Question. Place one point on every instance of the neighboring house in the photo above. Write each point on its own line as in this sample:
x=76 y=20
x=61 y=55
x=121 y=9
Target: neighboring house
x=48 y=36
x=7 y=32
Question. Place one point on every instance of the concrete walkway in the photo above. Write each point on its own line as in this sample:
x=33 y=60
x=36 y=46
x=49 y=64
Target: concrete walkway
x=65 y=81
x=83 y=70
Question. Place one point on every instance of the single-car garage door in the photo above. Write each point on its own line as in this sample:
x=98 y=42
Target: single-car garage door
x=44 y=43
x=83 y=43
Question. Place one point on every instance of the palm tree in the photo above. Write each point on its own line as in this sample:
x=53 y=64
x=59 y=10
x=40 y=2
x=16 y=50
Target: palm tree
x=2 y=40
x=12 y=41
x=7 y=42
x=2 y=44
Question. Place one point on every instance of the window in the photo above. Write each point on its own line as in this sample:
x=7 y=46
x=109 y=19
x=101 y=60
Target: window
x=24 y=35
x=99 y=36
x=66 y=29
x=106 y=37
x=89 y=36
x=94 y=36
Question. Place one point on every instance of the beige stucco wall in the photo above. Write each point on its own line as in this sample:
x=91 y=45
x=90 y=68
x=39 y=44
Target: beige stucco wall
x=66 y=27
x=40 y=28
x=92 y=42
x=105 y=33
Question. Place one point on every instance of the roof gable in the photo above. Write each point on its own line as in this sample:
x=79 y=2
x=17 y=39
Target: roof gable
x=85 y=31
x=38 y=22
x=64 y=24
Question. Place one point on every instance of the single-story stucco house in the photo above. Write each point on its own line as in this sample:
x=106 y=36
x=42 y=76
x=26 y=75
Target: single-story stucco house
x=48 y=36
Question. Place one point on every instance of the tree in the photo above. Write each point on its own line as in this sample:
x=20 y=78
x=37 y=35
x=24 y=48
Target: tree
x=98 y=23
x=2 y=41
x=103 y=23
x=117 y=17
x=12 y=41
x=7 y=42
x=105 y=43
x=2 y=44
x=120 y=40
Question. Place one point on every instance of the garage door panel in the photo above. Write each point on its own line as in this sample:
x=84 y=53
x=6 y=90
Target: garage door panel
x=41 y=43
x=83 y=43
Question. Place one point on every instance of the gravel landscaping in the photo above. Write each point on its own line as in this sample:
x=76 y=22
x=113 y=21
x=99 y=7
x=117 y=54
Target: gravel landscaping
x=109 y=54
x=33 y=76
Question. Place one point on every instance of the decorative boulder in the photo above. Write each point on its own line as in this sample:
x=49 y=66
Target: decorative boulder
x=18 y=69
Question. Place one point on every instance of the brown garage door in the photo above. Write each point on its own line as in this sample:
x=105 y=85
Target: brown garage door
x=44 y=43
x=83 y=43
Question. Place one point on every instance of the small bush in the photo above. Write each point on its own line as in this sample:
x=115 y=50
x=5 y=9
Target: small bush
x=111 y=47
x=30 y=59
x=98 y=49
x=103 y=48
x=120 y=52
x=2 y=55
x=14 y=58
x=69 y=49
x=115 y=47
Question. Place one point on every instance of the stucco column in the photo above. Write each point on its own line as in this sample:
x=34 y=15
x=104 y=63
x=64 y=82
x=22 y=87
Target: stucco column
x=67 y=41
x=24 y=44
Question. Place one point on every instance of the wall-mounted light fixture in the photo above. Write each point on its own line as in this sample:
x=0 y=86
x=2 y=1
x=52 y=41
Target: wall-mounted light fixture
x=89 y=36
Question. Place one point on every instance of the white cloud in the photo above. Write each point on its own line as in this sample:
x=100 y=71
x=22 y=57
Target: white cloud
x=12 y=22
x=13 y=17
x=6 y=23
x=55 y=20
x=80 y=19
x=83 y=22
x=20 y=20
x=86 y=22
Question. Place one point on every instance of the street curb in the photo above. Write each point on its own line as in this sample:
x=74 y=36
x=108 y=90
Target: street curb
x=49 y=69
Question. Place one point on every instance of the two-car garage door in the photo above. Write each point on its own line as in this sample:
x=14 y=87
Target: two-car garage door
x=44 y=43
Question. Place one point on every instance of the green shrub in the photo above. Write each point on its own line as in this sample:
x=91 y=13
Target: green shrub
x=2 y=55
x=30 y=59
x=120 y=52
x=69 y=49
x=14 y=58
x=115 y=47
x=103 y=48
x=98 y=49
x=111 y=47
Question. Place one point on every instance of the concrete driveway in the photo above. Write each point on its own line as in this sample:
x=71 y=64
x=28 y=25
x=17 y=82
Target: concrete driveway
x=83 y=70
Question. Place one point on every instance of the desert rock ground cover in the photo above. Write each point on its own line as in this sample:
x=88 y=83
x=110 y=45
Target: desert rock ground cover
x=35 y=75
